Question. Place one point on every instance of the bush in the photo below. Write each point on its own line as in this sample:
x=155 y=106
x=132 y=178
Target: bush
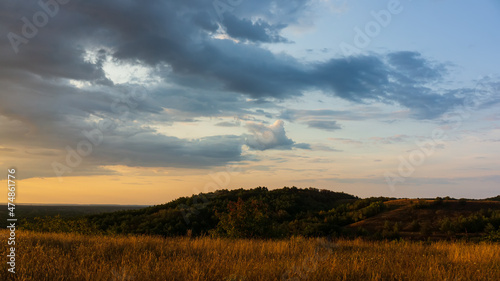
x=447 y=226
x=493 y=236
x=421 y=204
x=489 y=228
x=59 y=225
x=438 y=201
x=415 y=226
x=462 y=201
x=425 y=229
x=390 y=230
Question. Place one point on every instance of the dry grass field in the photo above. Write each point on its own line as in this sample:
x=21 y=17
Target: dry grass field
x=55 y=257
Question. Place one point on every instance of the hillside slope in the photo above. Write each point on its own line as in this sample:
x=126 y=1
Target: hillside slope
x=436 y=219
x=263 y=213
x=200 y=214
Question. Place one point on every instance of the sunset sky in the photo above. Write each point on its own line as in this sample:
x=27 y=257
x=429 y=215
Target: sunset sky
x=141 y=102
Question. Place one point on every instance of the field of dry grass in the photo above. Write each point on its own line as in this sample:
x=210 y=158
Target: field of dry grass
x=77 y=257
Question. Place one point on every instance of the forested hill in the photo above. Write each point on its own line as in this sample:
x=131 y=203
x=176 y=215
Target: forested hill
x=497 y=198
x=260 y=211
x=263 y=213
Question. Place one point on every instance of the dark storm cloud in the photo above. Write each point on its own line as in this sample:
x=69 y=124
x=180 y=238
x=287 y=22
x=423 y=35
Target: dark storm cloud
x=178 y=34
x=355 y=79
x=199 y=76
x=274 y=11
x=191 y=102
x=368 y=78
x=259 y=31
x=155 y=150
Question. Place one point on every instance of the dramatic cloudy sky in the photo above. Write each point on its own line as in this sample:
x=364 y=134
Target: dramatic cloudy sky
x=140 y=102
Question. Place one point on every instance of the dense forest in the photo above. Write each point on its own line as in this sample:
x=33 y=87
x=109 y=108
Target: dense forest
x=263 y=213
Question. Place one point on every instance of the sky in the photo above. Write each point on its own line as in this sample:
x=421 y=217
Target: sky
x=142 y=102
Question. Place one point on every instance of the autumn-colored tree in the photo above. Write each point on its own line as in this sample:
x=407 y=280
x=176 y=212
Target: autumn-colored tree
x=244 y=219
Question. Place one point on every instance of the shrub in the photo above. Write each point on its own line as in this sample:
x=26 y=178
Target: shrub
x=421 y=204
x=425 y=229
x=438 y=201
x=415 y=226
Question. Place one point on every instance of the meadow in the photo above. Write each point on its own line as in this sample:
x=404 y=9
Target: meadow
x=66 y=256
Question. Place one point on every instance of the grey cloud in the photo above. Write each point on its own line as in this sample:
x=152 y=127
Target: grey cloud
x=298 y=114
x=324 y=125
x=424 y=103
x=48 y=126
x=321 y=147
x=359 y=113
x=204 y=20
x=322 y=118
x=391 y=139
x=259 y=31
x=355 y=79
x=154 y=150
x=415 y=67
x=199 y=76
x=275 y=11
x=178 y=34
x=302 y=145
x=228 y=124
x=266 y=114
x=346 y=141
x=368 y=78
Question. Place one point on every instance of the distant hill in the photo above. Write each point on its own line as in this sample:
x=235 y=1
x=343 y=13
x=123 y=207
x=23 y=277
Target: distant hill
x=264 y=213
x=199 y=214
x=497 y=198
x=30 y=211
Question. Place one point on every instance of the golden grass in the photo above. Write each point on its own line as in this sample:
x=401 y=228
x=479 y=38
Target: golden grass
x=78 y=257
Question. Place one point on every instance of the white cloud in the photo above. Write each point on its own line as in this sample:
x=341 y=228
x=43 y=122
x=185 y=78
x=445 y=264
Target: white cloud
x=268 y=137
